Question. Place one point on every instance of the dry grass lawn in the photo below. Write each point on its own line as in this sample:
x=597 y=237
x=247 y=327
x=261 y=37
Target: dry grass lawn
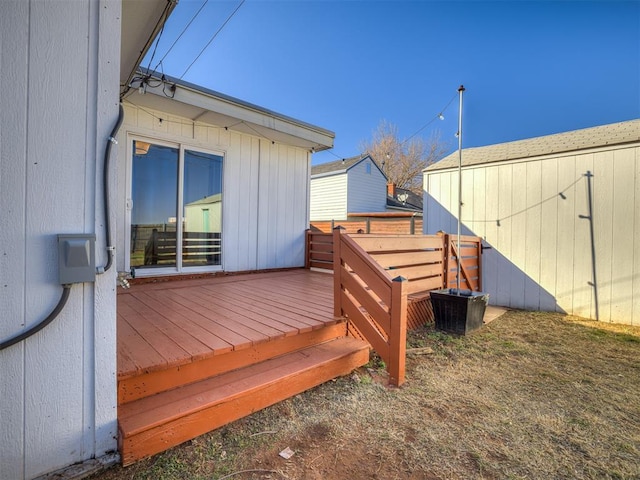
x=529 y=396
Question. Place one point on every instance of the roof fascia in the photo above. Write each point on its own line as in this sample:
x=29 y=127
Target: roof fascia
x=316 y=138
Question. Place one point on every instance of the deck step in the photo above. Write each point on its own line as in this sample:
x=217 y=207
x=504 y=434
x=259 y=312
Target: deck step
x=153 y=424
x=135 y=387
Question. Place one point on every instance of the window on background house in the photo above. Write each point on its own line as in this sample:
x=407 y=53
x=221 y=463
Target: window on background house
x=368 y=168
x=176 y=208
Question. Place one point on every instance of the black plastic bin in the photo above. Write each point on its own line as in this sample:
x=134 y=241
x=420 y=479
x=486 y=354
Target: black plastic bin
x=458 y=313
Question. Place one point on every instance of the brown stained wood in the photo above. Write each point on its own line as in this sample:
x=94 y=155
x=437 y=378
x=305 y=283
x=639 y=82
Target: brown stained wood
x=398 y=332
x=306 y=302
x=263 y=314
x=141 y=386
x=173 y=343
x=420 y=271
x=379 y=243
x=264 y=304
x=321 y=246
x=322 y=256
x=152 y=425
x=377 y=279
x=203 y=317
x=370 y=304
x=370 y=332
x=314 y=308
x=240 y=324
x=136 y=348
x=317 y=295
x=184 y=320
x=419 y=312
x=402 y=259
x=424 y=285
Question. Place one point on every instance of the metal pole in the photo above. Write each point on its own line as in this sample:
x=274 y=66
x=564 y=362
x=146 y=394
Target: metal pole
x=460 y=91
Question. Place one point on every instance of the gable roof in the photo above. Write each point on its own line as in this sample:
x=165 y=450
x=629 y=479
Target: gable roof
x=341 y=166
x=612 y=134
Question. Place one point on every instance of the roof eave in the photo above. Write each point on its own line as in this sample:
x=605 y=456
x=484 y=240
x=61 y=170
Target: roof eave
x=207 y=106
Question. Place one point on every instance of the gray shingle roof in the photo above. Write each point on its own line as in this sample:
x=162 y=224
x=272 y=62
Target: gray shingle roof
x=613 y=134
x=337 y=166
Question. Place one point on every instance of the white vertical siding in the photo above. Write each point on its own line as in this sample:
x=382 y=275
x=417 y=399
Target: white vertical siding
x=265 y=190
x=14 y=34
x=52 y=383
x=542 y=252
x=328 y=198
x=284 y=207
x=366 y=192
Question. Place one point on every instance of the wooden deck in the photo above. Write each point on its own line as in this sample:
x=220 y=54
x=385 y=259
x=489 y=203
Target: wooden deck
x=173 y=323
x=194 y=355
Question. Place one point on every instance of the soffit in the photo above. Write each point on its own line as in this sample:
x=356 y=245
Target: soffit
x=222 y=111
x=141 y=22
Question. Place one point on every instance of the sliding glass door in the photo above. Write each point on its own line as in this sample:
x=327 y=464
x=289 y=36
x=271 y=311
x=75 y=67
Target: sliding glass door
x=176 y=209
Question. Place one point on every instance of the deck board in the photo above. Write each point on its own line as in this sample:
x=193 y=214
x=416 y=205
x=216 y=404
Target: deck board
x=177 y=322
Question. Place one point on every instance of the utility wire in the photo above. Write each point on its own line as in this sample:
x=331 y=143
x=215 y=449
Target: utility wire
x=439 y=115
x=158 y=39
x=430 y=121
x=180 y=36
x=212 y=38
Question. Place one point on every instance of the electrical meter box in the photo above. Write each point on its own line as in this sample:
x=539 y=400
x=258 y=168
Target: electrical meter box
x=76 y=258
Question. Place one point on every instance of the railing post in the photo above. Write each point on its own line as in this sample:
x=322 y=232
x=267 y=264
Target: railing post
x=479 y=253
x=398 y=333
x=445 y=258
x=337 y=271
x=307 y=248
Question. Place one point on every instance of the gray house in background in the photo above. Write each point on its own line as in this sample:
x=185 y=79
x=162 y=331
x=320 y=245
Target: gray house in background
x=561 y=213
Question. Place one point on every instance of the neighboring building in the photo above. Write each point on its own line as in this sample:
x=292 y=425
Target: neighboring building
x=64 y=63
x=343 y=187
x=403 y=200
x=561 y=213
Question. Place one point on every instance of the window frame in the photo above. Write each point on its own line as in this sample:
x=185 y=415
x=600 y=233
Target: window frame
x=179 y=268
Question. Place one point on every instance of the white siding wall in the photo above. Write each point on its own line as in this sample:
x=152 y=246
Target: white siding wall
x=59 y=65
x=265 y=190
x=541 y=257
x=367 y=192
x=329 y=198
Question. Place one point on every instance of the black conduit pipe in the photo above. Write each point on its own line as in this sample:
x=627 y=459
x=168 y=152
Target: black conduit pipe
x=105 y=190
x=66 y=289
x=36 y=328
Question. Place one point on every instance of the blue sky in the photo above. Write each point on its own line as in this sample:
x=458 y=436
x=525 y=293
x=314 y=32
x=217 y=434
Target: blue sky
x=529 y=68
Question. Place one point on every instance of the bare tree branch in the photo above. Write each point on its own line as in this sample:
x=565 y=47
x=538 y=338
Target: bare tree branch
x=403 y=162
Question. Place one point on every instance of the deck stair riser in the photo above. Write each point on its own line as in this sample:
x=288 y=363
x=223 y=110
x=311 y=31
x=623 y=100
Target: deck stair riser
x=155 y=423
x=135 y=386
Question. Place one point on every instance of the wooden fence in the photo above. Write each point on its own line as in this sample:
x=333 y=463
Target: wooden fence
x=410 y=225
x=382 y=282
x=418 y=250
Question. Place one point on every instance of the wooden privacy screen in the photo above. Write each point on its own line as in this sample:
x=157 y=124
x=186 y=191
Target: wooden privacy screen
x=427 y=262
x=413 y=256
x=411 y=225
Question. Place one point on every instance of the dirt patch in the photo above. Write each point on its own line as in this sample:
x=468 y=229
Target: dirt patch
x=531 y=395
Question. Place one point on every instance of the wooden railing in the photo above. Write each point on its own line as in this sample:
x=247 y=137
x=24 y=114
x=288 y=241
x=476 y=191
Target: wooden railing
x=373 y=301
x=411 y=225
x=319 y=250
x=471 y=262
x=376 y=276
